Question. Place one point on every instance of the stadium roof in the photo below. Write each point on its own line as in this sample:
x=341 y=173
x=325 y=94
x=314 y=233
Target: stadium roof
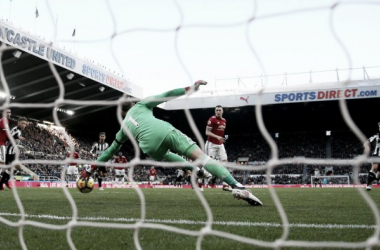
x=30 y=80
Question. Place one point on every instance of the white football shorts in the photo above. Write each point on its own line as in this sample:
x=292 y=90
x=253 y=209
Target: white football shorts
x=72 y=170
x=119 y=172
x=216 y=151
x=2 y=154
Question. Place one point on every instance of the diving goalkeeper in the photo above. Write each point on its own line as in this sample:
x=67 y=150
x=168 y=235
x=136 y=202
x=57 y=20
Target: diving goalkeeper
x=159 y=140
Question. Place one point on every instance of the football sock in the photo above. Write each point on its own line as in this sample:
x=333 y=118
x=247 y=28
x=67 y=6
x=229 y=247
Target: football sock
x=371 y=177
x=212 y=166
x=100 y=181
x=215 y=168
x=171 y=157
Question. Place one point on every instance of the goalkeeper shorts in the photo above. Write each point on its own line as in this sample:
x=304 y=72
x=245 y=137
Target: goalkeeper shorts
x=176 y=142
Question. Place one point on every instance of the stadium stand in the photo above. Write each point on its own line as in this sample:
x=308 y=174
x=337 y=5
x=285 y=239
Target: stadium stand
x=45 y=142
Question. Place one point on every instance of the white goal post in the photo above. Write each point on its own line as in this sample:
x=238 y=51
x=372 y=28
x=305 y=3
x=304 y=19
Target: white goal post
x=331 y=179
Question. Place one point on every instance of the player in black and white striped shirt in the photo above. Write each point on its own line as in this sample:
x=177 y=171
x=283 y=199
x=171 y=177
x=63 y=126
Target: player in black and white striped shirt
x=11 y=151
x=97 y=149
x=373 y=146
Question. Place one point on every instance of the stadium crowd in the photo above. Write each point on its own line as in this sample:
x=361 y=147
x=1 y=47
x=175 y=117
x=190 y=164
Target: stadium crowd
x=48 y=143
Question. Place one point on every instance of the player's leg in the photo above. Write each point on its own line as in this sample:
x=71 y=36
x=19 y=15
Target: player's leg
x=116 y=176
x=122 y=174
x=215 y=168
x=180 y=143
x=178 y=181
x=9 y=158
x=118 y=179
x=4 y=180
x=372 y=176
x=76 y=173
x=218 y=152
x=2 y=162
x=69 y=173
x=200 y=182
x=101 y=175
x=221 y=154
x=183 y=145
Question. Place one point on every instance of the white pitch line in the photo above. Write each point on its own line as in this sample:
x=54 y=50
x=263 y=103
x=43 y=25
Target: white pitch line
x=191 y=222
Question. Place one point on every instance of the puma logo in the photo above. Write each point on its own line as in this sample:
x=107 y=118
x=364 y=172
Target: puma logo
x=244 y=99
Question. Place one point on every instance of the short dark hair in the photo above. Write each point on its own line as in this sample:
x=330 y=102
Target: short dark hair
x=128 y=103
x=20 y=119
x=218 y=106
x=102 y=133
x=127 y=106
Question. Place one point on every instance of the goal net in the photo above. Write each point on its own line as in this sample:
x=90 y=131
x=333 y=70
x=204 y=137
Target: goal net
x=244 y=50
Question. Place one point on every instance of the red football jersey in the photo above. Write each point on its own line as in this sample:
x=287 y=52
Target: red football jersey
x=119 y=159
x=218 y=125
x=3 y=133
x=152 y=172
x=75 y=155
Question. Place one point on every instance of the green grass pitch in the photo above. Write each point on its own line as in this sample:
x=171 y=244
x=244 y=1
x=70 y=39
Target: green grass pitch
x=327 y=214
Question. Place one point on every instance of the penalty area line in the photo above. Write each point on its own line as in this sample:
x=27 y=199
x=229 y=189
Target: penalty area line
x=191 y=222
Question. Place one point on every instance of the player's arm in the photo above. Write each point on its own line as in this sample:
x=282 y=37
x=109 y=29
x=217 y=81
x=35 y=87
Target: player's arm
x=211 y=134
x=367 y=146
x=93 y=148
x=108 y=154
x=114 y=148
x=18 y=136
x=153 y=101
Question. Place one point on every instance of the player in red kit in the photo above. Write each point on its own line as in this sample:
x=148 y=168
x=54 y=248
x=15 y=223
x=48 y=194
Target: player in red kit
x=120 y=171
x=152 y=175
x=215 y=135
x=214 y=146
x=72 y=170
x=3 y=134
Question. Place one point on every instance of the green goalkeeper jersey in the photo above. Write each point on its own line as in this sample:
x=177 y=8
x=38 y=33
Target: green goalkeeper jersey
x=148 y=131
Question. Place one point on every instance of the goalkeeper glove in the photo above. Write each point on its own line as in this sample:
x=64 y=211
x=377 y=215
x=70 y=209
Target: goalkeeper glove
x=196 y=85
x=87 y=171
x=199 y=83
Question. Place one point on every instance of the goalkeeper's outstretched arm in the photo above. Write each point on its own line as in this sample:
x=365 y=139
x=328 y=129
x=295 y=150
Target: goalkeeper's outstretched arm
x=108 y=154
x=153 y=101
x=114 y=148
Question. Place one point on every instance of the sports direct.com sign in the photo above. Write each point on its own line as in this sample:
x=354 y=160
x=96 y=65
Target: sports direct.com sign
x=324 y=95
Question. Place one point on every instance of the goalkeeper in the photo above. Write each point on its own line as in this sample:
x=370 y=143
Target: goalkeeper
x=159 y=140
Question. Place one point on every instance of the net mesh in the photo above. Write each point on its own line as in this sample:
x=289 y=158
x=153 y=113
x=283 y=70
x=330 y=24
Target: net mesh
x=262 y=87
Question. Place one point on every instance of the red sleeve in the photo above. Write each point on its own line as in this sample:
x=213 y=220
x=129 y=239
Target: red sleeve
x=210 y=122
x=2 y=126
